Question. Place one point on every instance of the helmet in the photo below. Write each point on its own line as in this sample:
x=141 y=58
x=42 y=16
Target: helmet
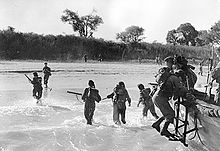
x=91 y=83
x=35 y=74
x=141 y=86
x=121 y=83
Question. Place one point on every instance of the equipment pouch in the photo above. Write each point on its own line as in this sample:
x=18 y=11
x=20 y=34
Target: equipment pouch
x=121 y=104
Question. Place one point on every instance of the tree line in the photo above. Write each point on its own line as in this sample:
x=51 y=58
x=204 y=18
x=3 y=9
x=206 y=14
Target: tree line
x=17 y=45
x=185 y=40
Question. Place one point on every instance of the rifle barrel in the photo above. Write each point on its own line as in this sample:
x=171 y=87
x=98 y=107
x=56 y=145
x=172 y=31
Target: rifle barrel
x=28 y=77
x=74 y=92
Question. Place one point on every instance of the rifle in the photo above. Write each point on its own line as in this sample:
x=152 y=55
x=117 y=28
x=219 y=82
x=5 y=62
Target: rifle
x=28 y=78
x=105 y=98
x=76 y=93
x=153 y=84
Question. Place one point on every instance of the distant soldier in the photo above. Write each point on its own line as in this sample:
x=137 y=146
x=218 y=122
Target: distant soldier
x=47 y=74
x=85 y=58
x=157 y=60
x=119 y=96
x=100 y=58
x=146 y=100
x=139 y=59
x=37 y=91
x=90 y=96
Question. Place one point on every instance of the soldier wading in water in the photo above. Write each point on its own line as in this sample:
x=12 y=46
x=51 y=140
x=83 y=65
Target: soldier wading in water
x=37 y=91
x=119 y=96
x=90 y=96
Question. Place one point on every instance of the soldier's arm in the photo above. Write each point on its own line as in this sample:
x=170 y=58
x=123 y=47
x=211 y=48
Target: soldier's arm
x=99 y=97
x=110 y=95
x=85 y=94
x=128 y=98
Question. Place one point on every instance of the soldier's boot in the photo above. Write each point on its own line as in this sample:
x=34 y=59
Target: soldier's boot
x=156 y=124
x=123 y=121
x=164 y=131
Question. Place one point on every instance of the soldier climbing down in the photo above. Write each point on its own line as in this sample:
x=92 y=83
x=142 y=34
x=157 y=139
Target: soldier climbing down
x=169 y=86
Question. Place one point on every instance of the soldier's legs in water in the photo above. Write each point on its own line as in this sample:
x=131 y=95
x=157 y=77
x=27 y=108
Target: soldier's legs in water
x=145 y=110
x=39 y=94
x=34 y=92
x=115 y=114
x=46 y=77
x=91 y=113
x=87 y=114
x=122 y=112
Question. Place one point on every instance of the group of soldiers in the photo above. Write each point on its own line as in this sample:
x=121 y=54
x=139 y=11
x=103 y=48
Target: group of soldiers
x=174 y=80
x=37 y=82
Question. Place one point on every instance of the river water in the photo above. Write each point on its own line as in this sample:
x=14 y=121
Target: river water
x=59 y=125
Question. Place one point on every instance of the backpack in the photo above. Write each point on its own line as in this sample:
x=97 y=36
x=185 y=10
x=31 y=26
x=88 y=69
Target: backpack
x=93 y=94
x=161 y=78
x=120 y=97
x=146 y=94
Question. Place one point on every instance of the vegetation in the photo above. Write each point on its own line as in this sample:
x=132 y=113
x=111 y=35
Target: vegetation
x=16 y=45
x=185 y=40
x=84 y=25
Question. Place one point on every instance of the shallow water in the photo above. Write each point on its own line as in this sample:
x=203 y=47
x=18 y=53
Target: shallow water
x=59 y=125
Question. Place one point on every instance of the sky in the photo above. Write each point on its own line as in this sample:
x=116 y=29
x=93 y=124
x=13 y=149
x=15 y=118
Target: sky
x=157 y=17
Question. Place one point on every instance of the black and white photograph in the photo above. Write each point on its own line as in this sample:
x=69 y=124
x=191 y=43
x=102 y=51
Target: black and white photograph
x=109 y=75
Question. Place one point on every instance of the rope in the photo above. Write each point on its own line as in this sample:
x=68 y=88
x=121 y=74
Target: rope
x=78 y=99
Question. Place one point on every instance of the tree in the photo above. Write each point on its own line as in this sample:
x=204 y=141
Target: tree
x=215 y=33
x=132 y=34
x=84 y=25
x=189 y=33
x=171 y=38
x=130 y=37
x=204 y=38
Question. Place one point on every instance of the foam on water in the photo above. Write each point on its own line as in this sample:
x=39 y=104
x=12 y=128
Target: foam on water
x=59 y=124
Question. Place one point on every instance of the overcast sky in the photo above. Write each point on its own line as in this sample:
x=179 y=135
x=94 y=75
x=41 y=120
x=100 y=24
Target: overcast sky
x=157 y=17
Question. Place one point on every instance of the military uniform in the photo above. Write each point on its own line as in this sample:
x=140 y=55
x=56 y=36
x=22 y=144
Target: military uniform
x=37 y=91
x=47 y=74
x=184 y=72
x=147 y=102
x=90 y=96
x=171 y=88
x=120 y=96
